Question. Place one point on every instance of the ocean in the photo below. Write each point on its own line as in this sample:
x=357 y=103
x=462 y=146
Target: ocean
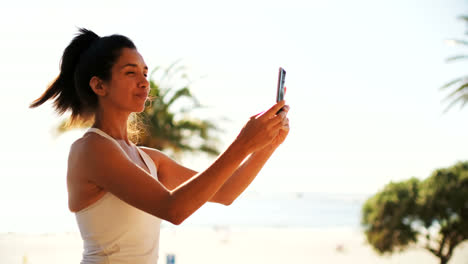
x=282 y=210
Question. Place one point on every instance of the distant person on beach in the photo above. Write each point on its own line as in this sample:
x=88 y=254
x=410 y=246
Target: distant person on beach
x=120 y=192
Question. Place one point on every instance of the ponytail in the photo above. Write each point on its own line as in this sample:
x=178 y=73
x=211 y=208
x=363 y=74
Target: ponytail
x=86 y=56
x=63 y=88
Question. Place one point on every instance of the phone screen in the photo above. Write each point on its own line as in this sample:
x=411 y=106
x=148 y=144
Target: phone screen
x=280 y=89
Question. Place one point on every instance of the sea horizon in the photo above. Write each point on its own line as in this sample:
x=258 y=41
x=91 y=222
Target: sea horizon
x=252 y=210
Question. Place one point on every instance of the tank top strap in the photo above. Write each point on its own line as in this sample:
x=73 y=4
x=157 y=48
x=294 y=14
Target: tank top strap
x=146 y=158
x=149 y=162
x=103 y=134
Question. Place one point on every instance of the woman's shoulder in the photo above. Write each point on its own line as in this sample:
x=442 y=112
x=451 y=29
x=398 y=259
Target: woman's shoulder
x=89 y=143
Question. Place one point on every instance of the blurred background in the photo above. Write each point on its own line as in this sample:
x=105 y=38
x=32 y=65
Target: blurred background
x=363 y=80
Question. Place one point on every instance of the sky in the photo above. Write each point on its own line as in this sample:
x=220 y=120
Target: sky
x=363 y=82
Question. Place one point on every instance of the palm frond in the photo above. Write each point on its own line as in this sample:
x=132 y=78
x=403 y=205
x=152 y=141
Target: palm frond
x=167 y=72
x=464 y=18
x=456 y=58
x=183 y=92
x=210 y=150
x=460 y=89
x=207 y=127
x=462 y=98
x=163 y=130
x=157 y=68
x=457 y=42
x=189 y=125
x=454 y=82
x=464 y=102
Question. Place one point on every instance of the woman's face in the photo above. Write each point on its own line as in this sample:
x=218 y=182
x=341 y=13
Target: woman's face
x=129 y=87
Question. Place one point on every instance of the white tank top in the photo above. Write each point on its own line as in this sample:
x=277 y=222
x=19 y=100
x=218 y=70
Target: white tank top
x=115 y=232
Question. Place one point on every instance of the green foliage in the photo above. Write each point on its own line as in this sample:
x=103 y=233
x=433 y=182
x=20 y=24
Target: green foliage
x=444 y=201
x=388 y=215
x=432 y=213
x=176 y=131
x=459 y=86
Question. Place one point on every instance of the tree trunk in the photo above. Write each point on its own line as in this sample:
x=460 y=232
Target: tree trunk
x=444 y=259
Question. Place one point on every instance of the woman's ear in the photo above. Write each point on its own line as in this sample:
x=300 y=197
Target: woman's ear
x=98 y=86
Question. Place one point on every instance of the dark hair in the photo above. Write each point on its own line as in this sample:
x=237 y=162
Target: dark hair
x=86 y=56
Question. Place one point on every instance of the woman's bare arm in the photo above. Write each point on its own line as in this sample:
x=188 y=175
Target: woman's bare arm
x=172 y=174
x=246 y=173
x=107 y=166
x=242 y=177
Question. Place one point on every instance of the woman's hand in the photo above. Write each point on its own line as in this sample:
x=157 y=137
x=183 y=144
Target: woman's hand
x=284 y=130
x=264 y=129
x=283 y=133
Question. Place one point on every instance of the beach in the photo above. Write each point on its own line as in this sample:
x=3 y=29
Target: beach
x=227 y=245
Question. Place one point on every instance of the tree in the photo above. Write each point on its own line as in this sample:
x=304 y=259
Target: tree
x=164 y=126
x=444 y=206
x=176 y=131
x=388 y=215
x=459 y=86
x=430 y=214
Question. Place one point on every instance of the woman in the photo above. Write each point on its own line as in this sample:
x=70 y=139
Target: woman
x=120 y=192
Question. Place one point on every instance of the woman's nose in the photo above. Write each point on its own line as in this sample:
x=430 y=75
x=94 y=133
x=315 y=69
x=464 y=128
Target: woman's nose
x=144 y=81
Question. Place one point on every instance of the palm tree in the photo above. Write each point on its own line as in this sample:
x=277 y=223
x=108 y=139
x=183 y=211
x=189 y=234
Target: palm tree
x=459 y=94
x=175 y=131
x=160 y=127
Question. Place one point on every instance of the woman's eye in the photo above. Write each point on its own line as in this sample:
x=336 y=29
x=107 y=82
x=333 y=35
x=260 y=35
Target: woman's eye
x=130 y=72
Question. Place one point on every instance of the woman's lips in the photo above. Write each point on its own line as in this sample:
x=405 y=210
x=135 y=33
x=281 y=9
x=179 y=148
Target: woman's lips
x=142 y=95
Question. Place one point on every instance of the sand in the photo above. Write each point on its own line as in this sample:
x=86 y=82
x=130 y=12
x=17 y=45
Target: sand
x=226 y=245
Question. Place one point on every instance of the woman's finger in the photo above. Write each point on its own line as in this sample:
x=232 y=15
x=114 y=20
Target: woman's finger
x=273 y=110
x=285 y=126
x=276 y=127
x=278 y=119
x=286 y=108
x=257 y=115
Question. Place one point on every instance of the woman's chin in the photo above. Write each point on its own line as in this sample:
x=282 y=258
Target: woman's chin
x=140 y=109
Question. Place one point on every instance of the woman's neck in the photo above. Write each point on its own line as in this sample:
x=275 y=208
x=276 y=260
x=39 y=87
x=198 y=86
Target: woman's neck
x=114 y=124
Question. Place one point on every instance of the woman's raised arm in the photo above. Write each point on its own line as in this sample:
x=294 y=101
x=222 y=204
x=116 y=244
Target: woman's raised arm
x=107 y=166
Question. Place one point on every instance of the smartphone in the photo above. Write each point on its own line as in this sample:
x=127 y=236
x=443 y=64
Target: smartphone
x=280 y=88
